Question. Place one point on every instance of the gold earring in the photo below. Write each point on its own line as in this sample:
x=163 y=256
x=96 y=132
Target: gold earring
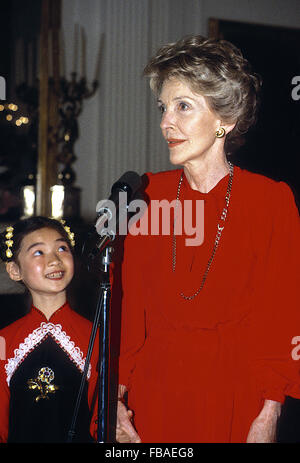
x=220 y=132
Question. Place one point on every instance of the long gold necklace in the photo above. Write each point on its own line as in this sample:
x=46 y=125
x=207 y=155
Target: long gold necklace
x=218 y=235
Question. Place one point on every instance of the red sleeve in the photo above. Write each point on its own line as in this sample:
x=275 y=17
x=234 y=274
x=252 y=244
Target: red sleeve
x=4 y=403
x=132 y=311
x=276 y=319
x=129 y=295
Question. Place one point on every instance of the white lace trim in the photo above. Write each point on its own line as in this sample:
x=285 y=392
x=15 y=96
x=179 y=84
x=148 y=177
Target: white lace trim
x=35 y=338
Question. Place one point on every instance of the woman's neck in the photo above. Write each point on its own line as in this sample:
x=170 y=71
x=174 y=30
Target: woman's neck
x=204 y=176
x=49 y=304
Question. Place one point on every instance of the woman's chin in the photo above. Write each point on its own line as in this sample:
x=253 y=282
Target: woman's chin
x=175 y=160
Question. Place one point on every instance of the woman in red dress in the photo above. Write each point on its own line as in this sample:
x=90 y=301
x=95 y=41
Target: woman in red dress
x=209 y=321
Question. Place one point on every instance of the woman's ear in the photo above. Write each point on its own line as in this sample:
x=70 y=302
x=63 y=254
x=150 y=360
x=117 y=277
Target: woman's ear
x=229 y=127
x=224 y=128
x=13 y=271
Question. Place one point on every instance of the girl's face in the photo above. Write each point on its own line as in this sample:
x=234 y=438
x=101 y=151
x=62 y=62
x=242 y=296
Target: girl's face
x=45 y=263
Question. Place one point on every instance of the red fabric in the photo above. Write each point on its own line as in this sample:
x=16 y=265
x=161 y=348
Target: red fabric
x=75 y=326
x=200 y=371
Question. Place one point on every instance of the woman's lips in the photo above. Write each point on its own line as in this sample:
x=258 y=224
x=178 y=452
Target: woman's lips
x=172 y=142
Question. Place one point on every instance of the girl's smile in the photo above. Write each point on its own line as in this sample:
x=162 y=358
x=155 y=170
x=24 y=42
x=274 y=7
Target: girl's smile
x=55 y=275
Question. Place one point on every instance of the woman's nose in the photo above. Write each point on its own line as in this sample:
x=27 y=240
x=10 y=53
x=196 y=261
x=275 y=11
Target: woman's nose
x=167 y=120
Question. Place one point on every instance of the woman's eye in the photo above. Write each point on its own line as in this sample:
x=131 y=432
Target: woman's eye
x=161 y=108
x=183 y=106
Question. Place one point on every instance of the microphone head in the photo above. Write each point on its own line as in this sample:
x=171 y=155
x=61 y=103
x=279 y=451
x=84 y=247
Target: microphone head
x=129 y=182
x=98 y=236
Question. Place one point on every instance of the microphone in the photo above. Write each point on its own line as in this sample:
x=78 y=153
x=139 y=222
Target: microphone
x=111 y=213
x=128 y=184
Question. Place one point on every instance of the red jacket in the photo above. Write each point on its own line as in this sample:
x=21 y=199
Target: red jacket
x=68 y=329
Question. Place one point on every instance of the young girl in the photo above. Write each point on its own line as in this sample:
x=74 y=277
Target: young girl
x=45 y=349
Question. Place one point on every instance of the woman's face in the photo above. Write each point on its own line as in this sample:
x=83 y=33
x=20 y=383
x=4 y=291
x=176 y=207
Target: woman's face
x=45 y=263
x=188 y=124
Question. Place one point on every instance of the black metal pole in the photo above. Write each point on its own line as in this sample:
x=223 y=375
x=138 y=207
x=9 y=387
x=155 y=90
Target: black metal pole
x=101 y=321
x=72 y=430
x=104 y=342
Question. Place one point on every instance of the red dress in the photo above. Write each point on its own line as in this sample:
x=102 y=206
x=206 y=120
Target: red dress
x=200 y=370
x=60 y=345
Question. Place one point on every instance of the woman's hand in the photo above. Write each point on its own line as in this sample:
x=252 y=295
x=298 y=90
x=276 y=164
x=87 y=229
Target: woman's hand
x=125 y=432
x=263 y=428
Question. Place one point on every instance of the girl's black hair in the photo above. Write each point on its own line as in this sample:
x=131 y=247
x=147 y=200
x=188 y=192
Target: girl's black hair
x=23 y=228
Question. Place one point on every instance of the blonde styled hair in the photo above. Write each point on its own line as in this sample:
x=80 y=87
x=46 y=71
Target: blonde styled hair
x=217 y=70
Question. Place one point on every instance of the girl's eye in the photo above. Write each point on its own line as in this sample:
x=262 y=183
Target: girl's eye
x=38 y=253
x=63 y=248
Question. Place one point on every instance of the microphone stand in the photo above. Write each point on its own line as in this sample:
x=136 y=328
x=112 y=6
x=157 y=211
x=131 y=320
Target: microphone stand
x=102 y=315
x=101 y=321
x=103 y=421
